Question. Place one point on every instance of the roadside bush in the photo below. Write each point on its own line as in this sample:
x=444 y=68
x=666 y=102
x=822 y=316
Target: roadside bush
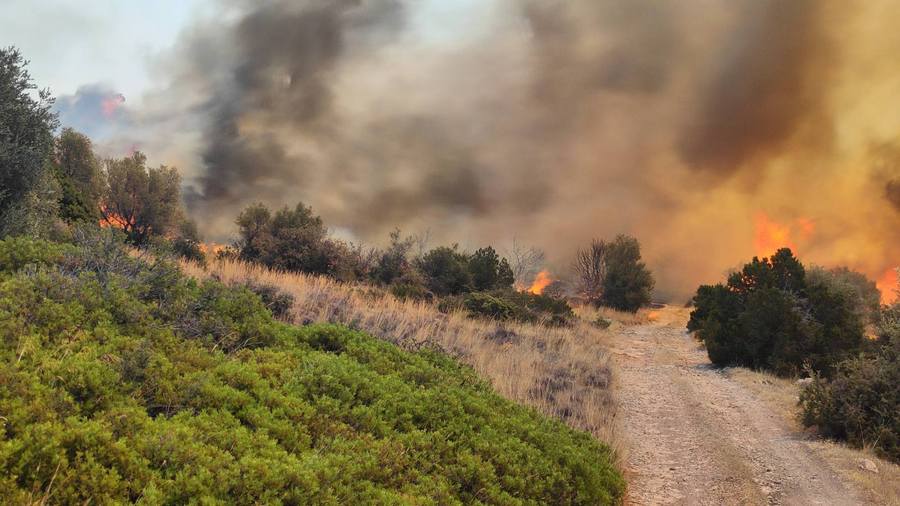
x=125 y=382
x=860 y=404
x=769 y=316
x=612 y=274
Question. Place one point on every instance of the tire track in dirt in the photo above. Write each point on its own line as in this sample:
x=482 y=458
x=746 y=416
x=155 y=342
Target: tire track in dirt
x=696 y=436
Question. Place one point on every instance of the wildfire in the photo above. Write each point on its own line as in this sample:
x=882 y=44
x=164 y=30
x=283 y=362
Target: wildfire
x=540 y=283
x=770 y=235
x=111 y=104
x=110 y=219
x=889 y=283
x=211 y=249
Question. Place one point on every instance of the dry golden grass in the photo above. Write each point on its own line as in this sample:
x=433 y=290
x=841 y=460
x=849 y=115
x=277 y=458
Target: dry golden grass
x=562 y=372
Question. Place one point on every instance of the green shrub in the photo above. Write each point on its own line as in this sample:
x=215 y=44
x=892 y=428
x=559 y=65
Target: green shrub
x=278 y=302
x=446 y=271
x=123 y=381
x=489 y=271
x=860 y=404
x=768 y=316
x=612 y=274
x=17 y=252
x=486 y=305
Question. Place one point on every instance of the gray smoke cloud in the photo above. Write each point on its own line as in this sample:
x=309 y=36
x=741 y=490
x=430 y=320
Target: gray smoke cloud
x=554 y=121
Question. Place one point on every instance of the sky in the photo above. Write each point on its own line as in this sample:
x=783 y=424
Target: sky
x=72 y=43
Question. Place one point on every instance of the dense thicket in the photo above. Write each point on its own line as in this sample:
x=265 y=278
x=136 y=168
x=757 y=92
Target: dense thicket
x=861 y=403
x=123 y=381
x=770 y=316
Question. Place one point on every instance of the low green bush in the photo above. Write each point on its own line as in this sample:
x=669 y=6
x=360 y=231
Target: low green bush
x=512 y=305
x=126 y=382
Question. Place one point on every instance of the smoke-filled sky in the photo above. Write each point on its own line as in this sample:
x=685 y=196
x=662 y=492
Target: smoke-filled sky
x=712 y=130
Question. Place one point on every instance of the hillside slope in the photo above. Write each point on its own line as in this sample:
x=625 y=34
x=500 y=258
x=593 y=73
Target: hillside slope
x=125 y=381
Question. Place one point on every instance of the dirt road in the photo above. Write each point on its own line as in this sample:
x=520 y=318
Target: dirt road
x=695 y=436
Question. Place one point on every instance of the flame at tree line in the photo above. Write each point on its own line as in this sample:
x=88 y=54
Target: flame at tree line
x=540 y=283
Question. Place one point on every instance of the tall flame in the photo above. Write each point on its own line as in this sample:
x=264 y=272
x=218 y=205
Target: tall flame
x=770 y=235
x=540 y=283
x=110 y=219
x=888 y=284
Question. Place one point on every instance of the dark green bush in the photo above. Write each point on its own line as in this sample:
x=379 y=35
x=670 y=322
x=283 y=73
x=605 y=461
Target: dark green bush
x=489 y=271
x=123 y=381
x=768 y=316
x=612 y=274
x=860 y=404
x=446 y=271
x=278 y=302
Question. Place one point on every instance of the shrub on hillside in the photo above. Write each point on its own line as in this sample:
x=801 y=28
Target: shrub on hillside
x=512 y=305
x=489 y=271
x=124 y=382
x=769 y=316
x=446 y=271
x=291 y=240
x=612 y=274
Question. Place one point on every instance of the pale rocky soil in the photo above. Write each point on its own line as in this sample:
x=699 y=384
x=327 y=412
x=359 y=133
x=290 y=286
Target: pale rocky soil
x=699 y=435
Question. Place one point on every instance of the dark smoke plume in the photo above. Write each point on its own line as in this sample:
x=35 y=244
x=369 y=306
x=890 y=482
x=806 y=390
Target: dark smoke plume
x=551 y=120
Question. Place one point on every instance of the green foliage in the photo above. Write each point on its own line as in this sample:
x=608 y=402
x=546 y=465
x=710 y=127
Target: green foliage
x=142 y=201
x=187 y=243
x=628 y=283
x=446 y=271
x=122 y=382
x=18 y=252
x=855 y=286
x=512 y=305
x=489 y=306
x=860 y=404
x=489 y=271
x=769 y=316
x=278 y=302
x=612 y=274
x=26 y=140
x=78 y=172
x=291 y=240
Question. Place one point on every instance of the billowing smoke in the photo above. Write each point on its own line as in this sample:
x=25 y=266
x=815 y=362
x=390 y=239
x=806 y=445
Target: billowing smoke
x=553 y=121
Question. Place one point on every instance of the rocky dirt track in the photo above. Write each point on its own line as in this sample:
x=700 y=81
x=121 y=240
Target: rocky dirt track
x=695 y=436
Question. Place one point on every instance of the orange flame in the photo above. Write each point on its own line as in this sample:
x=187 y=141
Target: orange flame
x=889 y=283
x=770 y=235
x=211 y=248
x=540 y=283
x=110 y=219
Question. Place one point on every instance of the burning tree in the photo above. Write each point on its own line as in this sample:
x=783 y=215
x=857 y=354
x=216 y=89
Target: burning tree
x=139 y=200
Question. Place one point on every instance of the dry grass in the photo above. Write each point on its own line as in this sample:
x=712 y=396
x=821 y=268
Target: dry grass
x=783 y=395
x=562 y=372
